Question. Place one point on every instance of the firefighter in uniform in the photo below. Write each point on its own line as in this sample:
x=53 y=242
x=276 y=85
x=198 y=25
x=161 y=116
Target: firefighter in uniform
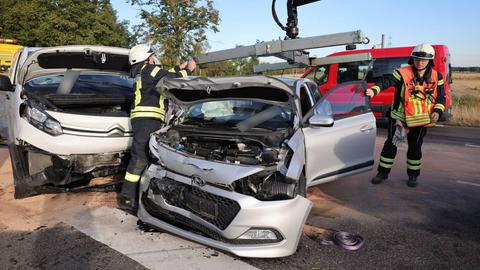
x=147 y=114
x=419 y=102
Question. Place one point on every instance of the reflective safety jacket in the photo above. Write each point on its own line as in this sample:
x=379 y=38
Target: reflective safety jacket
x=148 y=101
x=415 y=97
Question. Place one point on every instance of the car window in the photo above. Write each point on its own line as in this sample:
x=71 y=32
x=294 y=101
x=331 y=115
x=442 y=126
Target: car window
x=347 y=100
x=352 y=71
x=319 y=75
x=306 y=101
x=383 y=66
x=314 y=92
x=85 y=83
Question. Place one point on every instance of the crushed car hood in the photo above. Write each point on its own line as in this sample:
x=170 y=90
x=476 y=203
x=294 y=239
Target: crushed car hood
x=189 y=90
x=79 y=57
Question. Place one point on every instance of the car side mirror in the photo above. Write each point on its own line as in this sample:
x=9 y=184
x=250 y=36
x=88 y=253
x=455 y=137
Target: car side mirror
x=5 y=84
x=321 y=120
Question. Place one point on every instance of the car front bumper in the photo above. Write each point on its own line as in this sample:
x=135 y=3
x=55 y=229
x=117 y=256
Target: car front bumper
x=234 y=214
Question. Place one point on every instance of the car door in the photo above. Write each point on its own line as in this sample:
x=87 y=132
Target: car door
x=347 y=146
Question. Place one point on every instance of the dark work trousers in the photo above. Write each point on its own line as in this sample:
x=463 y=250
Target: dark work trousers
x=142 y=128
x=414 y=153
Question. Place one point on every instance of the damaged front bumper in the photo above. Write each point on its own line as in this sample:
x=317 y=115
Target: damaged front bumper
x=221 y=218
x=36 y=171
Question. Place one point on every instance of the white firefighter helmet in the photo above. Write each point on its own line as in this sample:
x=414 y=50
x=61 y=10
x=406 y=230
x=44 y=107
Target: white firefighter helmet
x=423 y=51
x=139 y=53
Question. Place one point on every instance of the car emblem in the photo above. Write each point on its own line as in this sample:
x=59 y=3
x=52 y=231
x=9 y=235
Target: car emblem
x=196 y=180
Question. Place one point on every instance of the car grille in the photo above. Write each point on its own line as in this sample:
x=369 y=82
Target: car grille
x=187 y=224
x=217 y=210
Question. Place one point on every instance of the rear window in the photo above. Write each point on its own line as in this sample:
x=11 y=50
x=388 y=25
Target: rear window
x=384 y=66
x=84 y=84
x=354 y=71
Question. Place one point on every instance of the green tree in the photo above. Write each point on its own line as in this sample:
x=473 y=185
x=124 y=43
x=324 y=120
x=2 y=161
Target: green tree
x=63 y=22
x=177 y=28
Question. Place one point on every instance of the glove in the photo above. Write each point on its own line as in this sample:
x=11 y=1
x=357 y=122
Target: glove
x=400 y=133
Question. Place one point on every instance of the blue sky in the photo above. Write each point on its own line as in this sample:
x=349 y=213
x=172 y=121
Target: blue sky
x=408 y=22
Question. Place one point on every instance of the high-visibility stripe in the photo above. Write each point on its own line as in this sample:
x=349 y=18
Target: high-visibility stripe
x=414 y=162
x=138 y=86
x=439 y=106
x=171 y=70
x=386 y=165
x=148 y=109
x=397 y=115
x=412 y=167
x=387 y=160
x=130 y=177
x=147 y=114
x=376 y=89
x=183 y=73
x=397 y=76
x=441 y=82
x=154 y=71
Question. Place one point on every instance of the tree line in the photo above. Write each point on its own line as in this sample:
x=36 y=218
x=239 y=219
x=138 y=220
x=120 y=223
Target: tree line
x=466 y=69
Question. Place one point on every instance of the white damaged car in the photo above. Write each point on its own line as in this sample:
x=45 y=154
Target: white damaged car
x=68 y=116
x=232 y=167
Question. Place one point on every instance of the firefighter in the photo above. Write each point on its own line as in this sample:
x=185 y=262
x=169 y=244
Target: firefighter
x=418 y=103
x=147 y=114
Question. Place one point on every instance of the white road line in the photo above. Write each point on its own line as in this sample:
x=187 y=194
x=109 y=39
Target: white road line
x=118 y=230
x=468 y=183
x=472 y=145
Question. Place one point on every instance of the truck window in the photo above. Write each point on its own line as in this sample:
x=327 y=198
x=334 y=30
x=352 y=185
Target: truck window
x=352 y=71
x=319 y=74
x=383 y=66
x=449 y=71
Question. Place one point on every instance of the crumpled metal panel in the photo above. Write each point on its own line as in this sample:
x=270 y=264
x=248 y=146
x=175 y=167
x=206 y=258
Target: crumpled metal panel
x=297 y=144
x=214 y=172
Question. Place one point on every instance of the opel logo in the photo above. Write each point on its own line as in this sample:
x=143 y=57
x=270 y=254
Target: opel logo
x=196 y=180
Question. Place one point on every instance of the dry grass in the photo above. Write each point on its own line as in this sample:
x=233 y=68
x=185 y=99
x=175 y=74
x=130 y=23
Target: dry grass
x=466 y=99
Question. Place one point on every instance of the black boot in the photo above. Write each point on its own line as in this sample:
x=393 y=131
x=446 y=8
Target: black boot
x=379 y=178
x=127 y=204
x=127 y=199
x=412 y=181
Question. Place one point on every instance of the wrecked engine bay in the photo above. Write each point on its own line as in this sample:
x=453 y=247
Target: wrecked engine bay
x=266 y=150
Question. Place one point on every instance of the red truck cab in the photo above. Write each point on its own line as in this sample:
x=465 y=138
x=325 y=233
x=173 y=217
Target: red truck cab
x=386 y=60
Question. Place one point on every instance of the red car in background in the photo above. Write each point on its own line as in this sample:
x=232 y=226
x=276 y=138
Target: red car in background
x=386 y=60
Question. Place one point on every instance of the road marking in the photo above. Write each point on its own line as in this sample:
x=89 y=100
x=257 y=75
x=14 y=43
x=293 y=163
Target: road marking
x=472 y=145
x=118 y=230
x=468 y=183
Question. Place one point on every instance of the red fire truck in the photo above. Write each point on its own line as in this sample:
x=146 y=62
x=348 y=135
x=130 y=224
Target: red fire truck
x=386 y=60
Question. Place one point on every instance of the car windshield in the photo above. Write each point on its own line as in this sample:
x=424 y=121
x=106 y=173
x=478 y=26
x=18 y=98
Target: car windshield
x=84 y=84
x=230 y=113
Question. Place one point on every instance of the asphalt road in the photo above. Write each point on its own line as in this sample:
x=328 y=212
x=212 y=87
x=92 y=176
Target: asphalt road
x=59 y=247
x=433 y=226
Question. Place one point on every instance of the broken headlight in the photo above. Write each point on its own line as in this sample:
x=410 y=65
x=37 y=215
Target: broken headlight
x=41 y=120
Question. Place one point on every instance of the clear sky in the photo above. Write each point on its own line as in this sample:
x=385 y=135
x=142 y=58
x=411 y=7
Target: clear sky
x=455 y=23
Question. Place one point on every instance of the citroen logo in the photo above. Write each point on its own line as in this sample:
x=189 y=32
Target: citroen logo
x=196 y=180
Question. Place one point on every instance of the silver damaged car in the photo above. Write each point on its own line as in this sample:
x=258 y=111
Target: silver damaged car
x=231 y=168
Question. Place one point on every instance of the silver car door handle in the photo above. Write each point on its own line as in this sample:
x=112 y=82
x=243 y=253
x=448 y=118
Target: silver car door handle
x=366 y=128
